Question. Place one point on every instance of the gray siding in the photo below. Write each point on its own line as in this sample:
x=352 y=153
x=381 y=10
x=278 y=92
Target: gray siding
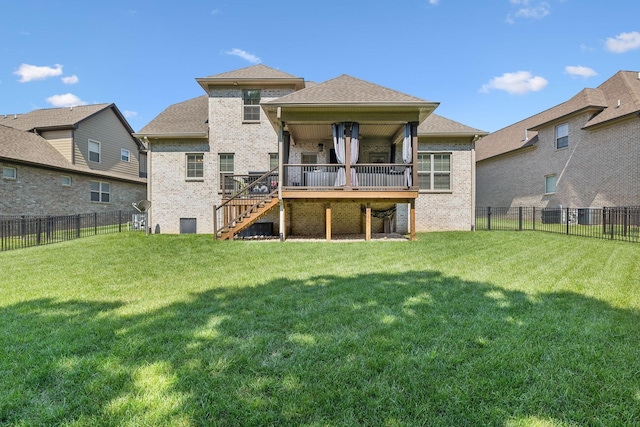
x=105 y=128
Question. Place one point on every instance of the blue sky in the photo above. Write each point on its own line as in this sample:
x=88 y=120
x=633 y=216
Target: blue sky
x=488 y=62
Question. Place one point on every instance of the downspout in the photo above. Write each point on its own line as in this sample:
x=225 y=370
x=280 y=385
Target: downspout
x=281 y=176
x=149 y=182
x=473 y=182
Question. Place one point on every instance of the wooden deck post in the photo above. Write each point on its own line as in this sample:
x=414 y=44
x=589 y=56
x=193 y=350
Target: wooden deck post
x=367 y=231
x=328 y=222
x=413 y=220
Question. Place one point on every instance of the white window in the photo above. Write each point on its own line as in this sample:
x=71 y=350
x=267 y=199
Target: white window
x=125 y=155
x=562 y=136
x=550 y=184
x=9 y=173
x=100 y=192
x=195 y=166
x=226 y=168
x=251 y=105
x=273 y=161
x=434 y=171
x=66 y=181
x=94 y=151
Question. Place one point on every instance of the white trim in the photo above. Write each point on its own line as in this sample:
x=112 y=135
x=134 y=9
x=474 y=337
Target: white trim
x=70 y=181
x=89 y=151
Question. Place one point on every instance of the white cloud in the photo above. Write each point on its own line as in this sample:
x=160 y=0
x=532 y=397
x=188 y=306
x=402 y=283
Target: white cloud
x=623 y=42
x=29 y=72
x=434 y=2
x=70 y=80
x=244 y=55
x=129 y=114
x=66 y=100
x=518 y=83
x=529 y=10
x=579 y=70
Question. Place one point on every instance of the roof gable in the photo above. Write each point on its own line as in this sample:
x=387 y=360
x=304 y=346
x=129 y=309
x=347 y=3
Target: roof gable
x=624 y=87
x=438 y=125
x=345 y=90
x=258 y=71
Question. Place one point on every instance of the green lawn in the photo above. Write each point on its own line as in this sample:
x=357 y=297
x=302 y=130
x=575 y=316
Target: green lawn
x=456 y=329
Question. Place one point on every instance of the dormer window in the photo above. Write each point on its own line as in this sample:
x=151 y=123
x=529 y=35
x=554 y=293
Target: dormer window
x=562 y=136
x=251 y=105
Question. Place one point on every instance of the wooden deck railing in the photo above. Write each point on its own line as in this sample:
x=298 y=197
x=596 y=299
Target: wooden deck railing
x=368 y=176
x=242 y=195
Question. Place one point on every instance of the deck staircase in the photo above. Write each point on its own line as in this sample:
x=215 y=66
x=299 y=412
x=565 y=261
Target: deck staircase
x=246 y=206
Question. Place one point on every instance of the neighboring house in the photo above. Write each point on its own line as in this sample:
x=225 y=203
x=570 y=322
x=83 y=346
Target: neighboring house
x=584 y=152
x=63 y=161
x=295 y=158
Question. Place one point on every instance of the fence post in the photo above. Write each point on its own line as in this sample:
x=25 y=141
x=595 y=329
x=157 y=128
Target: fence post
x=613 y=220
x=534 y=218
x=604 y=221
x=625 y=222
x=520 y=218
x=78 y=226
x=120 y=221
x=38 y=230
x=567 y=220
x=489 y=219
x=23 y=227
x=95 y=223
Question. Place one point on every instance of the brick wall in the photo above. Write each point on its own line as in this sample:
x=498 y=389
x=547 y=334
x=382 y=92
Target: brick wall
x=600 y=167
x=451 y=210
x=38 y=191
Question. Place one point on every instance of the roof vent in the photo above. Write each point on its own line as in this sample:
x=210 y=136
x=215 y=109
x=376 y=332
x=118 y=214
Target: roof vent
x=618 y=106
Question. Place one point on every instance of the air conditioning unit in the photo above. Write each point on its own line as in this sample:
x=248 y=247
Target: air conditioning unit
x=587 y=216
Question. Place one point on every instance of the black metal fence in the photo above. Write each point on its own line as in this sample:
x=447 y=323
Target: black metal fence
x=24 y=231
x=615 y=223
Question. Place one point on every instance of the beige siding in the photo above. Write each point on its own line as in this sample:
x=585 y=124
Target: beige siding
x=61 y=140
x=600 y=167
x=106 y=129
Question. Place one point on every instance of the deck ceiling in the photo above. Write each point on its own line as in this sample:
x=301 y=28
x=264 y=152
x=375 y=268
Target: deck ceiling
x=324 y=132
x=313 y=123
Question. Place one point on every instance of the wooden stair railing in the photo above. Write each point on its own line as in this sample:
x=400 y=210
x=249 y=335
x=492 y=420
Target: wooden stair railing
x=244 y=208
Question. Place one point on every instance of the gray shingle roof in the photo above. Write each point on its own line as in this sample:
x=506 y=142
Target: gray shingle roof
x=344 y=90
x=52 y=117
x=187 y=117
x=435 y=124
x=24 y=146
x=258 y=71
x=603 y=100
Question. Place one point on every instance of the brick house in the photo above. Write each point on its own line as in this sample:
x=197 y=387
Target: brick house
x=62 y=161
x=265 y=149
x=583 y=153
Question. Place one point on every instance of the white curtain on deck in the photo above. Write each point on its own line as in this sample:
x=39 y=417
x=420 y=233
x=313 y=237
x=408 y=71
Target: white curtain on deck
x=338 y=146
x=355 y=148
x=407 y=155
